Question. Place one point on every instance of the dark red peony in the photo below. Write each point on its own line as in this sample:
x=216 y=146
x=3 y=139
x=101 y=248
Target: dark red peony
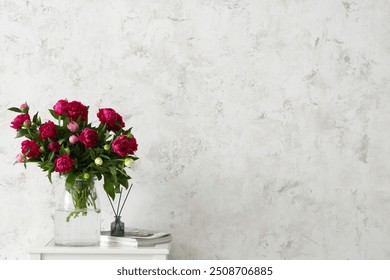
x=54 y=146
x=61 y=107
x=89 y=137
x=77 y=110
x=17 y=123
x=124 y=146
x=63 y=163
x=111 y=118
x=48 y=130
x=133 y=145
x=30 y=148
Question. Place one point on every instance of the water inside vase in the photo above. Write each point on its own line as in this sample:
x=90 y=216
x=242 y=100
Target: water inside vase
x=83 y=230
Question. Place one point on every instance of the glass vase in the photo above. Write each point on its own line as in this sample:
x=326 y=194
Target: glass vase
x=77 y=215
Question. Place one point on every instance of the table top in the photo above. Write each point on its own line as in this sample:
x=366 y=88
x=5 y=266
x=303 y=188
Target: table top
x=102 y=248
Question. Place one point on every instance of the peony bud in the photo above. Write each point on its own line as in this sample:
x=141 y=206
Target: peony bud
x=106 y=147
x=73 y=139
x=42 y=148
x=130 y=135
x=20 y=158
x=86 y=176
x=67 y=151
x=98 y=161
x=129 y=162
x=24 y=108
x=73 y=126
x=26 y=123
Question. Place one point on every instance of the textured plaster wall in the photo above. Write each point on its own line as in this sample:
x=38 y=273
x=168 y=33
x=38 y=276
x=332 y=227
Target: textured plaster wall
x=263 y=126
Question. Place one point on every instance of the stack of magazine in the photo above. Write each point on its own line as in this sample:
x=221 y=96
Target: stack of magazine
x=136 y=238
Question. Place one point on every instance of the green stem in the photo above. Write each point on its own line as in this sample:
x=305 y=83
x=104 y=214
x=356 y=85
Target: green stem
x=29 y=132
x=82 y=198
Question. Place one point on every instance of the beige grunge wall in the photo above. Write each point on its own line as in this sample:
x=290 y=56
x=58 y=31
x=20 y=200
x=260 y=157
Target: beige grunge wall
x=263 y=126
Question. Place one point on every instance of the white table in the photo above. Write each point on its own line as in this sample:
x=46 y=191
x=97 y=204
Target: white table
x=104 y=251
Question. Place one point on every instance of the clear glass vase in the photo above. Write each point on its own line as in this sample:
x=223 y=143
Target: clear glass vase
x=77 y=216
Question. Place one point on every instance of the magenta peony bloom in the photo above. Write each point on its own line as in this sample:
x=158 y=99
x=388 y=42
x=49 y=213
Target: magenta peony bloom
x=64 y=163
x=89 y=137
x=30 y=148
x=61 y=107
x=54 y=146
x=18 y=122
x=124 y=146
x=48 y=130
x=111 y=118
x=77 y=110
x=133 y=145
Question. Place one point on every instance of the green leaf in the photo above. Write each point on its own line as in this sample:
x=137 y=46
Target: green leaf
x=112 y=170
x=51 y=156
x=107 y=135
x=39 y=121
x=117 y=187
x=127 y=131
x=70 y=180
x=35 y=118
x=21 y=133
x=14 y=109
x=103 y=127
x=109 y=186
x=76 y=151
x=49 y=175
x=123 y=172
x=114 y=175
x=54 y=114
x=123 y=181
x=133 y=157
x=92 y=153
x=85 y=156
x=66 y=121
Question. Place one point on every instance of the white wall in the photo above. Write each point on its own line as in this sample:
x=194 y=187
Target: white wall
x=263 y=126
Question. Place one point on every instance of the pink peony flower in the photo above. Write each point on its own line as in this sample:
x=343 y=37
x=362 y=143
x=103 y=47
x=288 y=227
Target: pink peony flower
x=64 y=163
x=26 y=123
x=24 y=108
x=61 y=107
x=30 y=148
x=89 y=137
x=48 y=130
x=77 y=110
x=73 y=126
x=19 y=158
x=73 y=139
x=111 y=118
x=54 y=146
x=18 y=122
x=124 y=146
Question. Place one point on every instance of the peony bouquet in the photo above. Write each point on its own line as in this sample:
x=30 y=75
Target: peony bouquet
x=75 y=148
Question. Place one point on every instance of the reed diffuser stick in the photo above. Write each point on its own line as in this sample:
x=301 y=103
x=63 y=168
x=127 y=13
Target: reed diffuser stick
x=124 y=202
